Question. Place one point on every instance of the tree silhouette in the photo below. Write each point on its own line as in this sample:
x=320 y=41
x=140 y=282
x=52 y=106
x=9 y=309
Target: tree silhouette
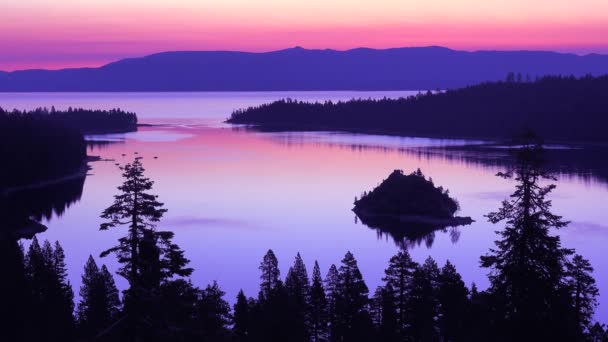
x=453 y=304
x=271 y=323
x=332 y=288
x=398 y=277
x=354 y=321
x=318 y=307
x=297 y=287
x=241 y=318
x=583 y=290
x=99 y=303
x=385 y=314
x=52 y=296
x=214 y=313
x=149 y=258
x=270 y=275
x=528 y=264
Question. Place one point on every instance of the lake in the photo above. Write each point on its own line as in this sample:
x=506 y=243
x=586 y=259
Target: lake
x=233 y=193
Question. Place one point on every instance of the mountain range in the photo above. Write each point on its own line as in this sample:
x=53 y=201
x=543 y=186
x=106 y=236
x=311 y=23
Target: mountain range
x=418 y=68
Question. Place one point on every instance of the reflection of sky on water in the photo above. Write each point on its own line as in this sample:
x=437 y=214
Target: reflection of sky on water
x=352 y=139
x=232 y=195
x=151 y=136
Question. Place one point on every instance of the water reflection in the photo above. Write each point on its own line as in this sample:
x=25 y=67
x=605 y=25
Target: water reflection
x=21 y=211
x=407 y=235
x=584 y=162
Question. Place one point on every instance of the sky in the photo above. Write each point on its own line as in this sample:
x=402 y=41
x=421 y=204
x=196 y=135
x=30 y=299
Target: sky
x=54 y=34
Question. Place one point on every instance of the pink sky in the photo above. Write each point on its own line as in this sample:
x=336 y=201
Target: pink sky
x=56 y=33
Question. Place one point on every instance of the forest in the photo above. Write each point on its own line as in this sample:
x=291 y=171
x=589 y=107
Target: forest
x=45 y=144
x=539 y=290
x=556 y=107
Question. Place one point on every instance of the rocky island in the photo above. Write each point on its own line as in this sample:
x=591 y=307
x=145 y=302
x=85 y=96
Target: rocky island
x=408 y=200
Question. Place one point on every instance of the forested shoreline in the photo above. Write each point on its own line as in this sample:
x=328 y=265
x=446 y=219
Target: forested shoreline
x=558 y=108
x=45 y=144
x=539 y=290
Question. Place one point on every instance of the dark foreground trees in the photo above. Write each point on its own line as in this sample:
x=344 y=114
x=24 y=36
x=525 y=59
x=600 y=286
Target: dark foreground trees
x=539 y=290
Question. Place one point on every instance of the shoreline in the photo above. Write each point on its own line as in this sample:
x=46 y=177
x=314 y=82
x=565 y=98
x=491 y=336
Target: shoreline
x=80 y=173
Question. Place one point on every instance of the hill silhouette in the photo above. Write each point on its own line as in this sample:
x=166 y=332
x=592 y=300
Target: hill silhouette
x=302 y=69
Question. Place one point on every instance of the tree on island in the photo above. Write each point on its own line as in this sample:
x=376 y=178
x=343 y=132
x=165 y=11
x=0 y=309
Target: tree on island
x=149 y=258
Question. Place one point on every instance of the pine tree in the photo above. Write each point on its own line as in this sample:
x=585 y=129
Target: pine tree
x=241 y=318
x=453 y=303
x=270 y=275
x=353 y=318
x=318 y=307
x=138 y=209
x=584 y=292
x=272 y=318
x=214 y=313
x=99 y=302
x=385 y=314
x=332 y=288
x=399 y=276
x=149 y=258
x=90 y=308
x=423 y=303
x=52 y=296
x=111 y=292
x=297 y=287
x=65 y=288
x=528 y=264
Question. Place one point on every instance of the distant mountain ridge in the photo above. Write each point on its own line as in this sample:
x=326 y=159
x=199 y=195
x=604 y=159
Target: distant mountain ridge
x=417 y=68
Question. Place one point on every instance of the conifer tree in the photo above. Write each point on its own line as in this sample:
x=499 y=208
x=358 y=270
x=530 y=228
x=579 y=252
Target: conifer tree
x=318 y=307
x=51 y=293
x=297 y=287
x=270 y=275
x=272 y=319
x=241 y=318
x=332 y=288
x=111 y=292
x=149 y=258
x=354 y=321
x=423 y=302
x=385 y=314
x=584 y=292
x=99 y=302
x=453 y=304
x=527 y=265
x=214 y=313
x=399 y=276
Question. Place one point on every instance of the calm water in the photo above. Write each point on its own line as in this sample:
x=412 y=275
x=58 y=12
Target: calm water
x=233 y=194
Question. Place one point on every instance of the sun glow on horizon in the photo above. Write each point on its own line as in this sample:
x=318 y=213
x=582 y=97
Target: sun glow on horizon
x=48 y=34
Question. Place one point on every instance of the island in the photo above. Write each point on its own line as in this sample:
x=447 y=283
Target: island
x=557 y=108
x=403 y=201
